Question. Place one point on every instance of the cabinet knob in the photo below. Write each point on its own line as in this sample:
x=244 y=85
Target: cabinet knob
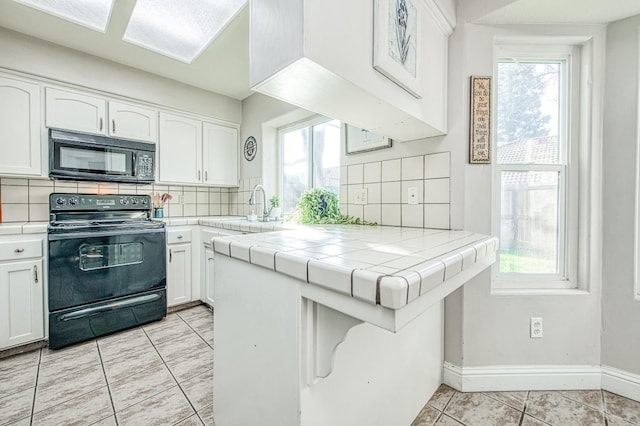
x=179 y=237
x=206 y=176
x=101 y=123
x=19 y=250
x=113 y=126
x=35 y=273
x=199 y=174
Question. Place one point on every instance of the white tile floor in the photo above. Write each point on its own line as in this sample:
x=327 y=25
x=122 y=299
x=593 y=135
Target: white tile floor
x=161 y=374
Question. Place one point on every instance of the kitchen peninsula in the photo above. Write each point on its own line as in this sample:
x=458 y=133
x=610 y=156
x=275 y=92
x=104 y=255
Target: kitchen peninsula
x=339 y=325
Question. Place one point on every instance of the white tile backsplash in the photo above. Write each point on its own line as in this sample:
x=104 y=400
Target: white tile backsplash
x=12 y=194
x=391 y=214
x=388 y=182
x=413 y=215
x=355 y=174
x=15 y=212
x=373 y=172
x=417 y=184
x=436 y=165
x=391 y=170
x=28 y=199
x=374 y=192
x=436 y=216
x=436 y=191
x=412 y=168
x=391 y=192
x=373 y=213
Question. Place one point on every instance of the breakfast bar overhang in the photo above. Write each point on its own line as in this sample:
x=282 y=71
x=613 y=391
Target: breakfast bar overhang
x=339 y=325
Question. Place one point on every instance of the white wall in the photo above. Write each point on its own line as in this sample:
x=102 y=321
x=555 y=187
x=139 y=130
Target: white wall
x=621 y=313
x=30 y=55
x=261 y=117
x=494 y=329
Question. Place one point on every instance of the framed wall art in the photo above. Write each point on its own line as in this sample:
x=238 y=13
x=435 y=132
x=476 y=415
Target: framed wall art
x=361 y=140
x=397 y=29
x=480 y=121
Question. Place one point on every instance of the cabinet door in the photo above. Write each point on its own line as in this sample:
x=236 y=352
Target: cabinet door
x=178 y=274
x=21 y=303
x=179 y=149
x=20 y=128
x=220 y=154
x=76 y=112
x=208 y=276
x=133 y=122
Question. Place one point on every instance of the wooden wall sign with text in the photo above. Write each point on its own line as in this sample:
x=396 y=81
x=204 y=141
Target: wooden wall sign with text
x=480 y=125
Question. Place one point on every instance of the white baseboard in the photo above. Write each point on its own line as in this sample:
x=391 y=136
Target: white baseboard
x=515 y=378
x=621 y=382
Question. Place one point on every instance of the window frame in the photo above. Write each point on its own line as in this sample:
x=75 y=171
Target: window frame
x=568 y=167
x=309 y=123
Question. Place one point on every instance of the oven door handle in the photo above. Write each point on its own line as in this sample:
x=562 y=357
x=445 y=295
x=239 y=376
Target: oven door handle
x=75 y=235
x=87 y=312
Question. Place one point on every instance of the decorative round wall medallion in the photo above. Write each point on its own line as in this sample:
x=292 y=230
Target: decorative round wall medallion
x=250 y=148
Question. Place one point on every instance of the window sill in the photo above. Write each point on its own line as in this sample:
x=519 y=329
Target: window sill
x=512 y=291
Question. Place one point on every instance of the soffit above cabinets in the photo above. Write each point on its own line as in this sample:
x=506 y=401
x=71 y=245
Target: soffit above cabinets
x=222 y=67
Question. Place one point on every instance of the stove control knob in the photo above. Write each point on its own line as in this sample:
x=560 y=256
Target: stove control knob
x=144 y=201
x=73 y=201
x=60 y=201
x=124 y=201
x=134 y=201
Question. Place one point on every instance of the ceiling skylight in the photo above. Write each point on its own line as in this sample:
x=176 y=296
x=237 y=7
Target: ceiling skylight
x=179 y=29
x=93 y=14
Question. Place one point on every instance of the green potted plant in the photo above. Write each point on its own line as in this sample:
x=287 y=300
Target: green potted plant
x=321 y=206
x=275 y=211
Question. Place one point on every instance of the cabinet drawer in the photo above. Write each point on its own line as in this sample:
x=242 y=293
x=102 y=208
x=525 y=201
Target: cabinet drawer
x=12 y=250
x=178 y=236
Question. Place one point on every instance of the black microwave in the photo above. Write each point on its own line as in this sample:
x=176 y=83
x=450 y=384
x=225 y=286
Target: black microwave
x=81 y=156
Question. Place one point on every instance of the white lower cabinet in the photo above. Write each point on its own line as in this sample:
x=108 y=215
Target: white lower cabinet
x=208 y=290
x=21 y=292
x=179 y=266
x=207 y=262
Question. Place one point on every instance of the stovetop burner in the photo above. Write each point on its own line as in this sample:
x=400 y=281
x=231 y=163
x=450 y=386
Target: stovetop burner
x=90 y=212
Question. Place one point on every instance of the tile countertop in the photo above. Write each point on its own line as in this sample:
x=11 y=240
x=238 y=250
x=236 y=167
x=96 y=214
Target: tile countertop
x=379 y=265
x=13 y=228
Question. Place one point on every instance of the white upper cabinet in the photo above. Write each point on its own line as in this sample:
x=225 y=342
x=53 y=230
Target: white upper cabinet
x=193 y=152
x=76 y=112
x=220 y=154
x=20 y=137
x=90 y=114
x=132 y=122
x=180 y=149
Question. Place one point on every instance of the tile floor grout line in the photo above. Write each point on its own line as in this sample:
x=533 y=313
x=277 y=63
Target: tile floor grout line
x=171 y=373
x=104 y=371
x=35 y=388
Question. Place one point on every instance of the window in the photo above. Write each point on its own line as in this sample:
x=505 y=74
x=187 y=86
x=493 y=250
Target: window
x=536 y=166
x=310 y=156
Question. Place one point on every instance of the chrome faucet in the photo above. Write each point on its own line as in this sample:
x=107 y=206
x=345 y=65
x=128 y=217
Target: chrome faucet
x=252 y=201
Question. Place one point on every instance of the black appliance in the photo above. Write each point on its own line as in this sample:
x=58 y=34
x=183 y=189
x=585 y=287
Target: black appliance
x=107 y=269
x=80 y=156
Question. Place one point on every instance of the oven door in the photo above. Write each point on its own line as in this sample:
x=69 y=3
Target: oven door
x=89 y=267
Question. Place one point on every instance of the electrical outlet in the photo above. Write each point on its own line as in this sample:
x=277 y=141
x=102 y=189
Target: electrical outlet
x=535 y=328
x=361 y=196
x=412 y=195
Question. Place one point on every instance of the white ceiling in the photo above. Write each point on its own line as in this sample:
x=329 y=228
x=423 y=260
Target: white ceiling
x=562 y=12
x=224 y=65
x=222 y=68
